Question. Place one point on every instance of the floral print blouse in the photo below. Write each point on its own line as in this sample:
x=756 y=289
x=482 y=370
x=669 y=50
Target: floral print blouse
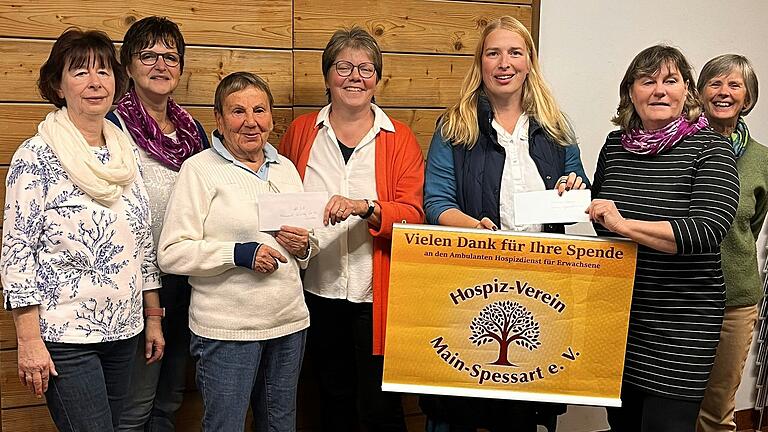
x=84 y=264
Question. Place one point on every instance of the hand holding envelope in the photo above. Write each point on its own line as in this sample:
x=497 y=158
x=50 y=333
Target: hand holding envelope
x=547 y=206
x=300 y=209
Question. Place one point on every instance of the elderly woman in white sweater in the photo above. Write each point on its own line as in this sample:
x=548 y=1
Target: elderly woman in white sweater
x=247 y=313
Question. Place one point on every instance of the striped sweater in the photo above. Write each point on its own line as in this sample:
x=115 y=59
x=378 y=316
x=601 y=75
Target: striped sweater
x=678 y=300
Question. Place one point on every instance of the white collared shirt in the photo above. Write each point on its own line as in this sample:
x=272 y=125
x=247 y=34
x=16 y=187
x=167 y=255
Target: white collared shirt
x=520 y=173
x=343 y=269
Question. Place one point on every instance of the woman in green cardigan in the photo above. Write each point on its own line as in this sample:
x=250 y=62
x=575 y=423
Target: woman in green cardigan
x=728 y=89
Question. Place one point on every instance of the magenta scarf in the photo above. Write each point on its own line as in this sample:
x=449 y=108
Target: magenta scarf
x=150 y=138
x=653 y=142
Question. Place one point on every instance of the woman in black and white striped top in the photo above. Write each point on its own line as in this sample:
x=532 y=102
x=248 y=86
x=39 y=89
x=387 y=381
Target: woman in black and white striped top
x=669 y=182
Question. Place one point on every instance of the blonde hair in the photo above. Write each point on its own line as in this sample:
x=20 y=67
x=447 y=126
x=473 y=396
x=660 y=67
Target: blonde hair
x=459 y=124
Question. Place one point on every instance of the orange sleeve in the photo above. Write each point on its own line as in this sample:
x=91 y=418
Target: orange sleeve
x=406 y=178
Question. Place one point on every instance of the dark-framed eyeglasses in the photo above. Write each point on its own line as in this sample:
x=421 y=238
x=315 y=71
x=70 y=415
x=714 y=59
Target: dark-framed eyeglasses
x=149 y=58
x=345 y=68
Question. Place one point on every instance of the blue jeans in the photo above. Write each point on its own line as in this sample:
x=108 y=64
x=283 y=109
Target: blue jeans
x=92 y=385
x=157 y=390
x=232 y=373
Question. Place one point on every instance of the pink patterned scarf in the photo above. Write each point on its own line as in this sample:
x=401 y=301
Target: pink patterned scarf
x=653 y=142
x=150 y=138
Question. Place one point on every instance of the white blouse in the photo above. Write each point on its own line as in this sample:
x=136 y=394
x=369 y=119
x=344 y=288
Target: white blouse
x=343 y=269
x=84 y=264
x=520 y=173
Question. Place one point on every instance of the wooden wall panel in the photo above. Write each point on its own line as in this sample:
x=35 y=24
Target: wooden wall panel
x=407 y=80
x=403 y=25
x=20 y=67
x=28 y=419
x=18 y=122
x=203 y=69
x=7 y=329
x=205 y=116
x=421 y=121
x=250 y=23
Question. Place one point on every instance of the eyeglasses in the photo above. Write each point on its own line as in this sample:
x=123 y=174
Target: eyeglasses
x=345 y=68
x=149 y=58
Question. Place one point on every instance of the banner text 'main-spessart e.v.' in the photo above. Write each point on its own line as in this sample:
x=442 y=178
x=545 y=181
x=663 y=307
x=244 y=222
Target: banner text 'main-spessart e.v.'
x=502 y=315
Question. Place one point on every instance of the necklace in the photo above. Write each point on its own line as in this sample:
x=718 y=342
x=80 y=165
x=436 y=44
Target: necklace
x=166 y=127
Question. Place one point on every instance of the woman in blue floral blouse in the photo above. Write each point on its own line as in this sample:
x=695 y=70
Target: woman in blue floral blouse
x=78 y=262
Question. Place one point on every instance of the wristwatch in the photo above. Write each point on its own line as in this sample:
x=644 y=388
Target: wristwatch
x=158 y=312
x=371 y=208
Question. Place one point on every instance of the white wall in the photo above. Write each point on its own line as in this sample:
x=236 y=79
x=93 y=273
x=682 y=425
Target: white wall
x=585 y=47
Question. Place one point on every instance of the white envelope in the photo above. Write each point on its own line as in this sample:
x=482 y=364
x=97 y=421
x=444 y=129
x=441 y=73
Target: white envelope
x=546 y=207
x=300 y=209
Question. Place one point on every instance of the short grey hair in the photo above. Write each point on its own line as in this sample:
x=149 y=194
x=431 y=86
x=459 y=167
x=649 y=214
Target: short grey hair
x=355 y=38
x=724 y=65
x=235 y=82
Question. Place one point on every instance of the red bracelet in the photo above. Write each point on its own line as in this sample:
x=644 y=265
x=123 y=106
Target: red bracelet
x=158 y=312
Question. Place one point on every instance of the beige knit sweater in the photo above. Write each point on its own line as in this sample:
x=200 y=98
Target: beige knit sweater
x=212 y=207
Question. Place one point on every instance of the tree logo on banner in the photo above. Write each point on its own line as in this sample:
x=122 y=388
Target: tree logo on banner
x=507 y=323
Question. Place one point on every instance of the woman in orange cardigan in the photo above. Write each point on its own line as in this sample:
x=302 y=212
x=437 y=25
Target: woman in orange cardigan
x=373 y=169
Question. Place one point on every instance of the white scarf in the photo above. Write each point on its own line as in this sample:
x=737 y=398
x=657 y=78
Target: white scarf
x=102 y=182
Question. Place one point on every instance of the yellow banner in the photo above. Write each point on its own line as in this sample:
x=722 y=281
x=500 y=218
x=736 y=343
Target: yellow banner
x=539 y=317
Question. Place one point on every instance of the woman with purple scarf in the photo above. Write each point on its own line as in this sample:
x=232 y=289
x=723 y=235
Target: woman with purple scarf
x=165 y=135
x=667 y=181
